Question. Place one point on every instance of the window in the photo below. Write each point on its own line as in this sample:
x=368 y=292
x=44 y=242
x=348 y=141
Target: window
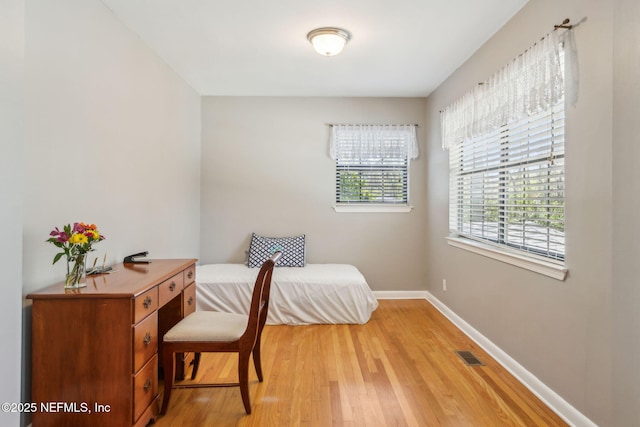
x=507 y=187
x=506 y=162
x=372 y=164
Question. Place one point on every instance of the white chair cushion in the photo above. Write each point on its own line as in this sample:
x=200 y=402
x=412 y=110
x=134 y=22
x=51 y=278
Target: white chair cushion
x=208 y=326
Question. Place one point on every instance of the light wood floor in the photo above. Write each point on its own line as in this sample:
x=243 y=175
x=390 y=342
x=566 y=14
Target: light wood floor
x=400 y=369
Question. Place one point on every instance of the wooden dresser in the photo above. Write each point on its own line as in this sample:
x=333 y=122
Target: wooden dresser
x=95 y=350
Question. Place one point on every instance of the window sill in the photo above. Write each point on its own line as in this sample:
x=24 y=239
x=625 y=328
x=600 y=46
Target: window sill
x=372 y=208
x=546 y=268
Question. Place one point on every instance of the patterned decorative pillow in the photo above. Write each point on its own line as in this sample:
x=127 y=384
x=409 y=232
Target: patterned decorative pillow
x=262 y=248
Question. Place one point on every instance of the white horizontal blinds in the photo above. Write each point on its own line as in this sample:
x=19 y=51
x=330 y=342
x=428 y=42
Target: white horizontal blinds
x=370 y=180
x=507 y=187
x=506 y=154
x=372 y=163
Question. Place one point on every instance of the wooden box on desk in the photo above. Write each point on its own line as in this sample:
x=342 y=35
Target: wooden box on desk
x=95 y=349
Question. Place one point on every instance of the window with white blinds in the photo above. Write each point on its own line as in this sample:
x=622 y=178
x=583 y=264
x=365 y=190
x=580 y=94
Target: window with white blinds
x=372 y=168
x=507 y=187
x=371 y=180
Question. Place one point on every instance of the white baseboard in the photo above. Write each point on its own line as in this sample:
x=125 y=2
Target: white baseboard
x=560 y=406
x=401 y=294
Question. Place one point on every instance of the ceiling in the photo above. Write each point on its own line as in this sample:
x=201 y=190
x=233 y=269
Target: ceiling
x=399 y=48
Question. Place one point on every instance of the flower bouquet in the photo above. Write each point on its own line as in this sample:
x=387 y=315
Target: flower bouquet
x=75 y=242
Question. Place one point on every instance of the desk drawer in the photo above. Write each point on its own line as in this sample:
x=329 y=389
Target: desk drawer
x=190 y=275
x=170 y=288
x=145 y=387
x=145 y=340
x=189 y=300
x=145 y=304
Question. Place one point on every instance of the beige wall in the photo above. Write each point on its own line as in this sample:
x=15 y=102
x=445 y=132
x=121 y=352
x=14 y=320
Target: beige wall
x=559 y=331
x=266 y=169
x=626 y=205
x=112 y=137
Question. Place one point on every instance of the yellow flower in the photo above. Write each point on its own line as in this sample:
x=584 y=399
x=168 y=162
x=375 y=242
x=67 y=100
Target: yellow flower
x=94 y=234
x=78 y=239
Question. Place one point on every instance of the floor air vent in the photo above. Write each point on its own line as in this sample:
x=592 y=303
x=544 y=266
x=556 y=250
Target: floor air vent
x=469 y=358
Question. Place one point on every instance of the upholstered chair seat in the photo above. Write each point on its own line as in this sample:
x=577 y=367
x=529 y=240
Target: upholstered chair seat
x=208 y=326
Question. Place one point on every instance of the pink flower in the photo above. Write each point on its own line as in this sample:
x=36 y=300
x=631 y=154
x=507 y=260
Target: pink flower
x=60 y=236
x=78 y=228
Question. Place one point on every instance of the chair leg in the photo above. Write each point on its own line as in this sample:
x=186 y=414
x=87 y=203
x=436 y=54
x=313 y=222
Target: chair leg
x=196 y=365
x=169 y=359
x=243 y=379
x=256 y=360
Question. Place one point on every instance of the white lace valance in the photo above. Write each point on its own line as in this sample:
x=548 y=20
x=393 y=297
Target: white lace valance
x=531 y=83
x=373 y=141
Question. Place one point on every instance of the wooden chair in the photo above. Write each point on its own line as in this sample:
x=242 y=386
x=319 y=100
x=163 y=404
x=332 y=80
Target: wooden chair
x=216 y=332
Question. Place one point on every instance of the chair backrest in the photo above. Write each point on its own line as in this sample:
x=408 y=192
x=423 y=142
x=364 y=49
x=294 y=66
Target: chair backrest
x=260 y=299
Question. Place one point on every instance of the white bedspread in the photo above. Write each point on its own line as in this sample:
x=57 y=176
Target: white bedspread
x=317 y=293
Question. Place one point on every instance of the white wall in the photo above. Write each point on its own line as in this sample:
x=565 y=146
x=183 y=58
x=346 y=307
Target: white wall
x=112 y=138
x=266 y=169
x=559 y=331
x=11 y=137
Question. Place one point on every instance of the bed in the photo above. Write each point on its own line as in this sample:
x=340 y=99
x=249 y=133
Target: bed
x=313 y=294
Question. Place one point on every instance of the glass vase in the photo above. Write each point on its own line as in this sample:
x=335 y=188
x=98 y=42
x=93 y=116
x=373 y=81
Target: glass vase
x=76 y=273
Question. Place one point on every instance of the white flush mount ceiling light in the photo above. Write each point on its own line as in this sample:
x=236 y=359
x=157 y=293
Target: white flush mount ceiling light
x=328 y=41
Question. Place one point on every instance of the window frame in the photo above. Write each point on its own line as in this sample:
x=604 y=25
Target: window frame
x=500 y=141
x=535 y=81
x=376 y=166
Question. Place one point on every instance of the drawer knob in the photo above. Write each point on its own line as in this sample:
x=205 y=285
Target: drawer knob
x=147 y=302
x=147 y=384
x=190 y=301
x=172 y=286
x=147 y=339
x=190 y=274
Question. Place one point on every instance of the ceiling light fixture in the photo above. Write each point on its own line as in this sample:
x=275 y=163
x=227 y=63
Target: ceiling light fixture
x=328 y=41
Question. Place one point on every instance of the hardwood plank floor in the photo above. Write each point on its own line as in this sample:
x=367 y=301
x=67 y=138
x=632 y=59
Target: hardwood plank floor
x=400 y=369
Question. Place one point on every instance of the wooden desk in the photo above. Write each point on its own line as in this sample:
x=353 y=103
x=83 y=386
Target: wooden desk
x=95 y=355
